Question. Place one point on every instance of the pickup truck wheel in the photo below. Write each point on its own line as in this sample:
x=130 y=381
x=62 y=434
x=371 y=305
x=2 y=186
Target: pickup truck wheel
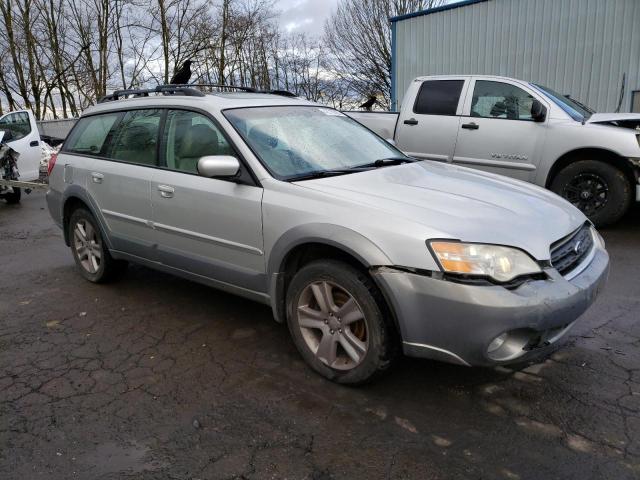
x=336 y=321
x=14 y=197
x=89 y=251
x=599 y=189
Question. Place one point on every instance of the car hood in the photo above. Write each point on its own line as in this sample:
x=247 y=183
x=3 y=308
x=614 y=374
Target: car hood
x=448 y=201
x=613 y=117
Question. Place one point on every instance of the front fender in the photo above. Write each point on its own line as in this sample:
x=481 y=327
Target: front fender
x=345 y=239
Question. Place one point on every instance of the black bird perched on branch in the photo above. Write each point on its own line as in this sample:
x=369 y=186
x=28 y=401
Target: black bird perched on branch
x=368 y=105
x=182 y=75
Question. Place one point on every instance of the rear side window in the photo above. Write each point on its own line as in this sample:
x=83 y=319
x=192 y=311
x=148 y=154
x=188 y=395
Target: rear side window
x=438 y=97
x=90 y=134
x=135 y=138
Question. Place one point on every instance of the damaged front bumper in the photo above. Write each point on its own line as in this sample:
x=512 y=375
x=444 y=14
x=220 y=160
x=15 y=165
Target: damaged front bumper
x=488 y=325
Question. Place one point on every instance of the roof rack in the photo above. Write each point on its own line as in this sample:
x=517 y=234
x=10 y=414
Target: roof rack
x=189 y=90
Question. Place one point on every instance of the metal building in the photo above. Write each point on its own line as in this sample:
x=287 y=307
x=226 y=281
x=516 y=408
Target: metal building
x=589 y=49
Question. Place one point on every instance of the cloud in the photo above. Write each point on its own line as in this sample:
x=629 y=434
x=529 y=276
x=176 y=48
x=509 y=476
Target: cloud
x=306 y=16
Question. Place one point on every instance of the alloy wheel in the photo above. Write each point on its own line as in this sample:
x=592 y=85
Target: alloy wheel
x=87 y=245
x=587 y=191
x=333 y=325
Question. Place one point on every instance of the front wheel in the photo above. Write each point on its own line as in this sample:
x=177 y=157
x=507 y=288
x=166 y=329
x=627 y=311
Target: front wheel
x=338 y=322
x=13 y=197
x=599 y=189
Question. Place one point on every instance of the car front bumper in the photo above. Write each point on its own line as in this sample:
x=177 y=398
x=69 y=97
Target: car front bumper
x=457 y=323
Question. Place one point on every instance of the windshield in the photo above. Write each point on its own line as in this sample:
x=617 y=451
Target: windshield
x=574 y=109
x=294 y=142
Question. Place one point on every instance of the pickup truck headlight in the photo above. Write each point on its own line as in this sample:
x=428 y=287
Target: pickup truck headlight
x=500 y=263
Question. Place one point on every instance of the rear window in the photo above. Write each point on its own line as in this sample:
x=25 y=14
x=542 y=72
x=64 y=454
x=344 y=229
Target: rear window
x=438 y=97
x=135 y=138
x=90 y=134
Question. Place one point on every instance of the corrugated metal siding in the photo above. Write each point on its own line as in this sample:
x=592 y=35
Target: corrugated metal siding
x=576 y=47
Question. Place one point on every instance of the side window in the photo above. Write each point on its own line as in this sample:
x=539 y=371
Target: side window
x=89 y=137
x=438 y=97
x=190 y=136
x=135 y=139
x=17 y=123
x=500 y=100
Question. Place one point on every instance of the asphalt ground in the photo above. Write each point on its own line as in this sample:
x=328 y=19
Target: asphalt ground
x=156 y=377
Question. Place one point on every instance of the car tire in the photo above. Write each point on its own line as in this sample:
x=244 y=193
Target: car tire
x=599 y=189
x=364 y=347
x=14 y=197
x=89 y=250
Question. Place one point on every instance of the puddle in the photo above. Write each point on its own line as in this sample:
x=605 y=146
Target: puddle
x=112 y=458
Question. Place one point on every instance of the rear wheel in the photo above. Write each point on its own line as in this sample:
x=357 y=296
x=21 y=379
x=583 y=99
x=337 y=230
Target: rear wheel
x=14 y=197
x=338 y=322
x=89 y=251
x=599 y=189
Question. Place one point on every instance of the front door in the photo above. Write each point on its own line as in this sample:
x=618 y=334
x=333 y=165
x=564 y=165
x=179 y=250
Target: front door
x=25 y=140
x=206 y=226
x=497 y=133
x=428 y=128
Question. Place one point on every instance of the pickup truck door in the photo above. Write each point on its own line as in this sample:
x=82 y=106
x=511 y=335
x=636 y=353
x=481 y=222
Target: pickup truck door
x=429 y=118
x=497 y=133
x=25 y=140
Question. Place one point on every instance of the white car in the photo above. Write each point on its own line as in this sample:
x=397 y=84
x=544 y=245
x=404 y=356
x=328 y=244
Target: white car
x=20 y=132
x=521 y=130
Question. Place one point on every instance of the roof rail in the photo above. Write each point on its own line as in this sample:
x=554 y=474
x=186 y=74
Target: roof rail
x=144 y=92
x=189 y=90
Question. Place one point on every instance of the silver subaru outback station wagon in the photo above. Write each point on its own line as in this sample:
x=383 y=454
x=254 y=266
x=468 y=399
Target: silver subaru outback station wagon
x=363 y=251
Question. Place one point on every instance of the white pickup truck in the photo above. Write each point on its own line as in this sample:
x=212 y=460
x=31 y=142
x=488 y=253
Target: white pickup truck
x=521 y=130
x=20 y=132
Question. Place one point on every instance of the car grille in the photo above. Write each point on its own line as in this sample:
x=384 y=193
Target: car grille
x=569 y=252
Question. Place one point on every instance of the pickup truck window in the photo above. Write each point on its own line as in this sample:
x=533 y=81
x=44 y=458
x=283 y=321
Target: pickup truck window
x=576 y=110
x=438 y=97
x=500 y=100
x=89 y=135
x=299 y=140
x=17 y=123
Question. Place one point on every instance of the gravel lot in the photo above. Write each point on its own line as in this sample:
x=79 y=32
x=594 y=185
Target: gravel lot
x=156 y=377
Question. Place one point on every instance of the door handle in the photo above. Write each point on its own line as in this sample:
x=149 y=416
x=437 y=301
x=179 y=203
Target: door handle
x=470 y=126
x=411 y=121
x=166 y=191
x=34 y=143
x=97 y=177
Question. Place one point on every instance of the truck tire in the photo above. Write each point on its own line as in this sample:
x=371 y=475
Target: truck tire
x=13 y=198
x=89 y=250
x=599 y=189
x=338 y=322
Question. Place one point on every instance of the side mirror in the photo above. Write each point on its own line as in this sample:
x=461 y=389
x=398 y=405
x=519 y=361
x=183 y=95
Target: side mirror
x=538 y=111
x=218 y=166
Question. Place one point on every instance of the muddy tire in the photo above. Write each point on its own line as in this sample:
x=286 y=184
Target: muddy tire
x=14 y=197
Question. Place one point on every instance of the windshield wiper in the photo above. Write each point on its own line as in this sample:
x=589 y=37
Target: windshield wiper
x=387 y=162
x=325 y=173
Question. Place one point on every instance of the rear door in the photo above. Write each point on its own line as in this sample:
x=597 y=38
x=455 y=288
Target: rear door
x=25 y=140
x=428 y=126
x=207 y=226
x=122 y=149
x=497 y=133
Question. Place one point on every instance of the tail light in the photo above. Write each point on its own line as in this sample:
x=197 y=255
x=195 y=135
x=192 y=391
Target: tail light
x=52 y=163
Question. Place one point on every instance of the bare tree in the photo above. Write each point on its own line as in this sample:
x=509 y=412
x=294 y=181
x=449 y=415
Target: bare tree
x=358 y=36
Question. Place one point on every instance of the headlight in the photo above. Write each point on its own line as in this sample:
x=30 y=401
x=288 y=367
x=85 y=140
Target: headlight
x=500 y=263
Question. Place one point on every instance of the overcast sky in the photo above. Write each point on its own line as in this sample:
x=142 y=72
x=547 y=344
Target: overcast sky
x=305 y=15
